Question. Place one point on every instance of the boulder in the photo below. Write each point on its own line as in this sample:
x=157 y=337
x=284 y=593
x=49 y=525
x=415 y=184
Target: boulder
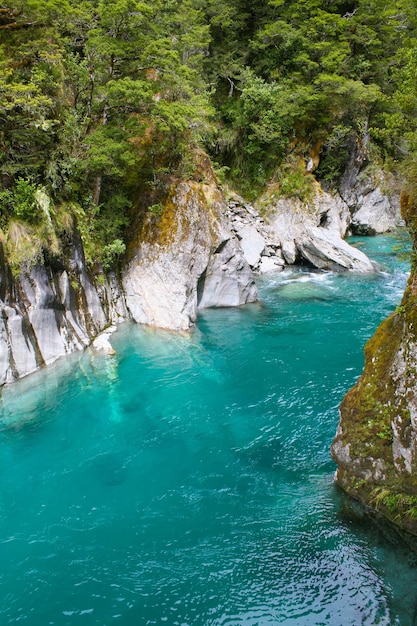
x=312 y=231
x=325 y=250
x=253 y=244
x=271 y=264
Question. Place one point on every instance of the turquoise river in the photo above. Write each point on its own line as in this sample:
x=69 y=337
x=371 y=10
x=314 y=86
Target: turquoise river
x=187 y=480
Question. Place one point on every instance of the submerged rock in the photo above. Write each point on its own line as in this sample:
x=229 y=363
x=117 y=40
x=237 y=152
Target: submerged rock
x=102 y=341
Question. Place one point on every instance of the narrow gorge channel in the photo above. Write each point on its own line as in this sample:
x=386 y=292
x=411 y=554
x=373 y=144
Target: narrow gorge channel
x=187 y=479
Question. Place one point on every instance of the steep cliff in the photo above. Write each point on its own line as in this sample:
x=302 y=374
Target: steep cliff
x=376 y=442
x=46 y=312
x=185 y=257
x=180 y=259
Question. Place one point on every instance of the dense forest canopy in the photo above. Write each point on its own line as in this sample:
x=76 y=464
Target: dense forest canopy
x=101 y=101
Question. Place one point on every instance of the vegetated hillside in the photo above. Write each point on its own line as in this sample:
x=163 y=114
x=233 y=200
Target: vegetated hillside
x=101 y=102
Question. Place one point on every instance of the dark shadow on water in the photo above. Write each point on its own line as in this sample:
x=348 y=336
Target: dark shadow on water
x=364 y=520
x=396 y=550
x=109 y=469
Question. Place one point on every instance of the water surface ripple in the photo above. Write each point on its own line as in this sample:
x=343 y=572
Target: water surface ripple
x=187 y=481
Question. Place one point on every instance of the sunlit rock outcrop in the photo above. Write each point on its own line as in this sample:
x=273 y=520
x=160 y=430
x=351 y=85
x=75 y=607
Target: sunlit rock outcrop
x=372 y=195
x=189 y=250
x=186 y=258
x=313 y=230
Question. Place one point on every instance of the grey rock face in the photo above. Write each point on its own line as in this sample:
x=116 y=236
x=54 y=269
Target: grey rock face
x=19 y=353
x=373 y=198
x=227 y=280
x=191 y=261
x=313 y=232
x=112 y=298
x=44 y=317
x=376 y=214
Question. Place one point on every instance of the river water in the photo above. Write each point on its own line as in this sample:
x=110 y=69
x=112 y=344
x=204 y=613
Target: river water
x=187 y=480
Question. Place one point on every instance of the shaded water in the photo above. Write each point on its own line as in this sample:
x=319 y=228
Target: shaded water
x=188 y=479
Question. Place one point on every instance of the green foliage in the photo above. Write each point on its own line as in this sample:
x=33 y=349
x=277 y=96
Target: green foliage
x=111 y=252
x=103 y=229
x=300 y=71
x=156 y=209
x=96 y=99
x=20 y=202
x=6 y=206
x=335 y=154
x=294 y=181
x=398 y=504
x=25 y=205
x=100 y=99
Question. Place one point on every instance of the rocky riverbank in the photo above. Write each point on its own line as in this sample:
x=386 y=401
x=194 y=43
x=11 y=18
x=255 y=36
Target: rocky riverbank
x=202 y=249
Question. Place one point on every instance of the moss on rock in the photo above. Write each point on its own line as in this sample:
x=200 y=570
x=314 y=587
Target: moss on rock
x=376 y=443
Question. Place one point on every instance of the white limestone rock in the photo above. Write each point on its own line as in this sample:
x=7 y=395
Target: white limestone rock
x=54 y=315
x=47 y=329
x=270 y=264
x=227 y=280
x=22 y=358
x=253 y=244
x=102 y=342
x=313 y=231
x=4 y=354
x=178 y=248
x=327 y=251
